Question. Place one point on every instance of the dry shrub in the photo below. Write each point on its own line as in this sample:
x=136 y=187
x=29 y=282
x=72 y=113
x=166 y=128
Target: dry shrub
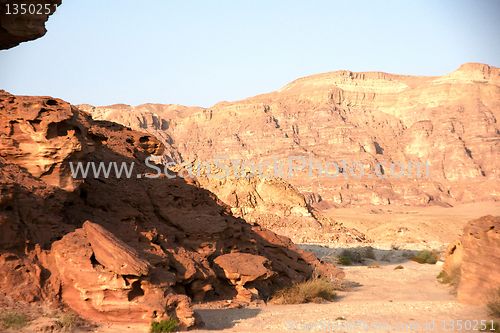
x=452 y=278
x=68 y=321
x=494 y=304
x=369 y=253
x=13 y=320
x=316 y=290
x=347 y=257
x=426 y=257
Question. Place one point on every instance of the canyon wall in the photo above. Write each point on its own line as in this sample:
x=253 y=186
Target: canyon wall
x=442 y=131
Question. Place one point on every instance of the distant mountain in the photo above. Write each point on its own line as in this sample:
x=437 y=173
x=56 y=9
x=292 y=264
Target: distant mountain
x=374 y=118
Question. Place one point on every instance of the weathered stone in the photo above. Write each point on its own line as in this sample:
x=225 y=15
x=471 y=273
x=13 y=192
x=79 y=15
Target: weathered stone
x=15 y=29
x=472 y=262
x=113 y=253
x=153 y=241
x=242 y=268
x=361 y=118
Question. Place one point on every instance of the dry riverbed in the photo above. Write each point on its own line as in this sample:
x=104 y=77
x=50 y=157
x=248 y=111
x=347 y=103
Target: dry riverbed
x=381 y=299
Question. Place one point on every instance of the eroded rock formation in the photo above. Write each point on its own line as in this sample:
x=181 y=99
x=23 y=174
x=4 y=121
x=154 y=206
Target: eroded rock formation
x=472 y=261
x=274 y=204
x=149 y=246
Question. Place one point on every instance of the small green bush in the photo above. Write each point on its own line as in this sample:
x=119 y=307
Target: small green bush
x=315 y=290
x=14 y=320
x=344 y=260
x=168 y=325
x=348 y=257
x=452 y=278
x=494 y=304
x=369 y=253
x=426 y=257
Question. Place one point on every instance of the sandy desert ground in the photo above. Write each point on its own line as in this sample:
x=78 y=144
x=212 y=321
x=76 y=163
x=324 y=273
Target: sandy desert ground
x=384 y=300
x=431 y=225
x=380 y=298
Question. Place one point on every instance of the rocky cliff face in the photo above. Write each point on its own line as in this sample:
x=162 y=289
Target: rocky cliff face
x=18 y=28
x=449 y=122
x=274 y=204
x=472 y=262
x=111 y=248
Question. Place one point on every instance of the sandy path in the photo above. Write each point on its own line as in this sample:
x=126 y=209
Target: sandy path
x=387 y=300
x=384 y=300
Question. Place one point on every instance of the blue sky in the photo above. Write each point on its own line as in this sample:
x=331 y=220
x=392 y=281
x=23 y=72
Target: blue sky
x=201 y=52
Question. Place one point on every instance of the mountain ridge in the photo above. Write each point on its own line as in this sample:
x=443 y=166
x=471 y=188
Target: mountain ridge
x=449 y=121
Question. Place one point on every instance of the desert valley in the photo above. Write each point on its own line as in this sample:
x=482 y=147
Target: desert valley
x=344 y=237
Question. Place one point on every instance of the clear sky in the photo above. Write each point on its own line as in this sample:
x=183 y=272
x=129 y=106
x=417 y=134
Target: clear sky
x=201 y=52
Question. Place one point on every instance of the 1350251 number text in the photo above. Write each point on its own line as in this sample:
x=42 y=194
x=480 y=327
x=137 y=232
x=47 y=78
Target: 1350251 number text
x=32 y=8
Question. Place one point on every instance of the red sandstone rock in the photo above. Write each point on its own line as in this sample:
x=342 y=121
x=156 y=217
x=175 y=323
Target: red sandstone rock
x=112 y=253
x=451 y=121
x=151 y=242
x=472 y=262
x=242 y=268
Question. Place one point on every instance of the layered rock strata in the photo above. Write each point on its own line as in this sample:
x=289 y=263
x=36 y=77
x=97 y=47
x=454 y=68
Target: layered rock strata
x=472 y=261
x=390 y=126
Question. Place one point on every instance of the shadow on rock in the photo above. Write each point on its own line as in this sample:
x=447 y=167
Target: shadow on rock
x=132 y=249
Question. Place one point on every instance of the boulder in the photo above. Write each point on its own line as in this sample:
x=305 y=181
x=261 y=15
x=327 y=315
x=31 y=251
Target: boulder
x=241 y=269
x=472 y=261
x=113 y=253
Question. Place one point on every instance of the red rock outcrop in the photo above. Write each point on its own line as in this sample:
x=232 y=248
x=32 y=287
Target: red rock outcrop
x=472 y=262
x=241 y=269
x=149 y=245
x=274 y=204
x=112 y=253
x=16 y=28
x=449 y=121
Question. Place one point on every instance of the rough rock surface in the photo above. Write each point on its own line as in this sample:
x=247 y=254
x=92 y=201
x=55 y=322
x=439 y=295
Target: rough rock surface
x=449 y=121
x=150 y=246
x=271 y=202
x=15 y=29
x=243 y=268
x=113 y=253
x=274 y=204
x=472 y=261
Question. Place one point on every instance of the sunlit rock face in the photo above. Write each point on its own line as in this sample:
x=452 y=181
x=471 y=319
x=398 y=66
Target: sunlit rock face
x=472 y=261
x=448 y=123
